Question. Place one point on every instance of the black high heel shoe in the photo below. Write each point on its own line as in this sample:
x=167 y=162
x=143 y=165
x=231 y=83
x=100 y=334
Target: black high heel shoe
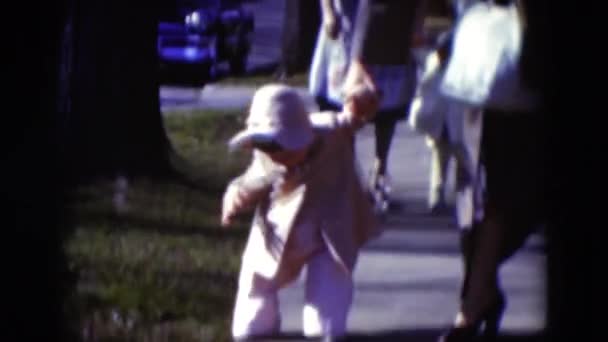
x=490 y=321
x=493 y=318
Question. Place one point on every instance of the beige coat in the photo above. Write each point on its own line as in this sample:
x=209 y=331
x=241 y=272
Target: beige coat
x=321 y=205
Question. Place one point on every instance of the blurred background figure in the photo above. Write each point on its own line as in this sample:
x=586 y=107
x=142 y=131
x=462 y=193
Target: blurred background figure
x=396 y=83
x=513 y=152
x=452 y=133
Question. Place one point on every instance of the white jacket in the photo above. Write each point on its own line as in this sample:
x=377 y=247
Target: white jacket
x=430 y=111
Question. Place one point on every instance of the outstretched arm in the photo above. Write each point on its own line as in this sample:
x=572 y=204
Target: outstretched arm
x=330 y=19
x=245 y=191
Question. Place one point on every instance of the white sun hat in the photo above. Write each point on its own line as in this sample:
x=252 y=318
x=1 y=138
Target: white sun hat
x=277 y=114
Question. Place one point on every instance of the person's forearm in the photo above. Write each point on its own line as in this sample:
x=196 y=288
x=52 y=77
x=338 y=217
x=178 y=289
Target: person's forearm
x=254 y=188
x=327 y=8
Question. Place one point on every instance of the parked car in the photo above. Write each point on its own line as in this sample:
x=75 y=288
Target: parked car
x=204 y=33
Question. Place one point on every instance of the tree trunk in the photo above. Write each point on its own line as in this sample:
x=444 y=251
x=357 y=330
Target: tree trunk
x=109 y=90
x=36 y=268
x=301 y=22
x=84 y=96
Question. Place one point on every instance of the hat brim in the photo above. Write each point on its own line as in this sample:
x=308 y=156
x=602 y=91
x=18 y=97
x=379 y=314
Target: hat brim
x=247 y=137
x=293 y=141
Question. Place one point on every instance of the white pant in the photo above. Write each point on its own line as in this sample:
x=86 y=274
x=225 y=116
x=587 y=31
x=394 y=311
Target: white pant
x=329 y=293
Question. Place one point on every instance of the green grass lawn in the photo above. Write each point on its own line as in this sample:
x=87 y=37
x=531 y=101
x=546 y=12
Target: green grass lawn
x=162 y=269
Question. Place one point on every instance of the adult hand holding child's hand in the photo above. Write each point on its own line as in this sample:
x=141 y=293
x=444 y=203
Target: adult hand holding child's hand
x=360 y=92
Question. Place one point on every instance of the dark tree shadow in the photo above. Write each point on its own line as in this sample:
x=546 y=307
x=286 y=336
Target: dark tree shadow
x=417 y=335
x=168 y=227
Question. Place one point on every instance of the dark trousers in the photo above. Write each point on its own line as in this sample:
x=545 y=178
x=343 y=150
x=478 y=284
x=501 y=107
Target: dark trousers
x=514 y=152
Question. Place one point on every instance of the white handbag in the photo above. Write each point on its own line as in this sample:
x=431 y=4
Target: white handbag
x=337 y=67
x=330 y=61
x=484 y=67
x=328 y=68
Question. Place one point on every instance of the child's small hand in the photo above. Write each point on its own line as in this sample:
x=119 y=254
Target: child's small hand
x=233 y=202
x=361 y=102
x=358 y=75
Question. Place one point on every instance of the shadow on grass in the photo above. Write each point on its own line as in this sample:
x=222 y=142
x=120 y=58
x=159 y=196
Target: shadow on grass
x=190 y=280
x=162 y=226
